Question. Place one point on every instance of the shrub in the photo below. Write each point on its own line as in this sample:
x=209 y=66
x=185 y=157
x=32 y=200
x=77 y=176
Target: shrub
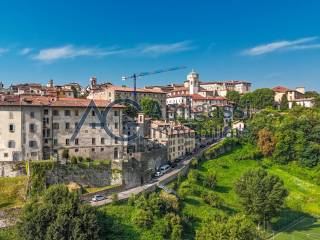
x=80 y=159
x=194 y=163
x=212 y=199
x=193 y=176
x=210 y=180
x=114 y=198
x=74 y=160
x=65 y=153
x=88 y=159
x=131 y=200
x=143 y=218
x=170 y=202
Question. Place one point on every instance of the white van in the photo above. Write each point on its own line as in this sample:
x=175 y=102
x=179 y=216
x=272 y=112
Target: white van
x=165 y=168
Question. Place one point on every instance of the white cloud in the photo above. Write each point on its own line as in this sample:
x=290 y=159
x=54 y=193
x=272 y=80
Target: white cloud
x=282 y=45
x=161 y=49
x=25 y=51
x=3 y=50
x=70 y=51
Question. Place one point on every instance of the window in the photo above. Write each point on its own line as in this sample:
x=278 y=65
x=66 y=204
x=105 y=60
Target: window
x=102 y=149
x=5 y=155
x=116 y=113
x=32 y=144
x=32 y=127
x=115 y=153
x=67 y=142
x=93 y=113
x=92 y=149
x=76 y=112
x=76 y=124
x=67 y=125
x=31 y=114
x=102 y=140
x=115 y=141
x=46 y=112
x=10 y=115
x=93 y=125
x=34 y=154
x=55 y=113
x=55 y=125
x=93 y=141
x=11 y=144
x=55 y=142
x=76 y=150
x=115 y=125
x=11 y=128
x=76 y=141
x=67 y=113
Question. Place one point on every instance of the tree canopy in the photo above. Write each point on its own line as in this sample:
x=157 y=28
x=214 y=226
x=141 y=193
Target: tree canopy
x=262 y=194
x=151 y=108
x=57 y=214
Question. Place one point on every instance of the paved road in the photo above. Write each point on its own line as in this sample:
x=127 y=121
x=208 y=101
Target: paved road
x=153 y=185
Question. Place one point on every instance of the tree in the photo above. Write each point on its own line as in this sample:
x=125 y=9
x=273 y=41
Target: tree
x=266 y=142
x=210 y=180
x=58 y=214
x=284 y=104
x=222 y=228
x=151 y=108
x=263 y=97
x=234 y=96
x=262 y=195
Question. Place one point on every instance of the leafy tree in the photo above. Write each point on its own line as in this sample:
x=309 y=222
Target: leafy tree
x=65 y=153
x=284 y=104
x=212 y=199
x=263 y=97
x=262 y=195
x=210 y=180
x=58 y=214
x=234 y=96
x=193 y=176
x=310 y=156
x=151 y=108
x=285 y=146
x=222 y=228
x=143 y=218
x=311 y=94
x=266 y=142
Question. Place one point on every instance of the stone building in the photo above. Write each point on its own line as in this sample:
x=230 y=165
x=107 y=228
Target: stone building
x=178 y=139
x=110 y=92
x=37 y=127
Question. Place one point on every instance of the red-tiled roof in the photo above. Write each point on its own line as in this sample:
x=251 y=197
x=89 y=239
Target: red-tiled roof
x=51 y=101
x=280 y=89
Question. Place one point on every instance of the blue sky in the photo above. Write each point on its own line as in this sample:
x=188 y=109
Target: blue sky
x=266 y=42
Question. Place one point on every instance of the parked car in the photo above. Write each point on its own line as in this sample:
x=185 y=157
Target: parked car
x=158 y=174
x=173 y=164
x=97 y=198
x=165 y=168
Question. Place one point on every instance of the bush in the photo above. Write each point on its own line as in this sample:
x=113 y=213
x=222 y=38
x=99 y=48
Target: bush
x=74 y=160
x=88 y=159
x=80 y=159
x=212 y=199
x=65 y=153
x=193 y=176
x=143 y=218
x=131 y=200
x=114 y=198
x=210 y=180
x=169 y=202
x=194 y=163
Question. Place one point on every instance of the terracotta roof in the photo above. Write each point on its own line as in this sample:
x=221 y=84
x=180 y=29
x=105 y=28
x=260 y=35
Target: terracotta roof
x=225 y=82
x=280 y=89
x=51 y=101
x=127 y=89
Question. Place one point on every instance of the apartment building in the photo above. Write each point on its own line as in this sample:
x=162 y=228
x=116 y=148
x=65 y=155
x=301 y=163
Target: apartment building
x=37 y=127
x=110 y=92
x=178 y=139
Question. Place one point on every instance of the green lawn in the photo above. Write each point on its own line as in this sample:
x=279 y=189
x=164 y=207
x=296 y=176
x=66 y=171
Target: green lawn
x=303 y=199
x=304 y=229
x=12 y=192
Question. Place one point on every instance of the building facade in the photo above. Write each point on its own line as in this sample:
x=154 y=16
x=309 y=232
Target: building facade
x=36 y=128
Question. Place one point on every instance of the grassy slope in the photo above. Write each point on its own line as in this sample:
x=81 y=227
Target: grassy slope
x=304 y=195
x=12 y=191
